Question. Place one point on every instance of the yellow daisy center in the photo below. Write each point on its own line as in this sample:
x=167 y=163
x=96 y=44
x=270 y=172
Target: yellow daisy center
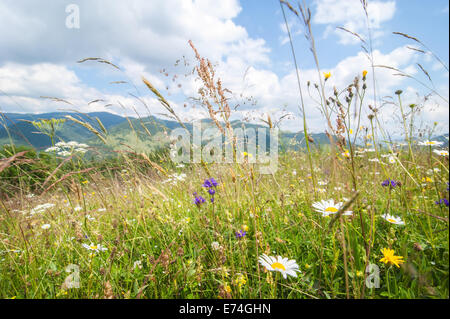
x=391 y=220
x=331 y=209
x=277 y=265
x=93 y=247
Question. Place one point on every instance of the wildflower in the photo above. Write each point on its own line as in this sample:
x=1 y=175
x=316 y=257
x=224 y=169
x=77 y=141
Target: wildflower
x=346 y=154
x=283 y=265
x=441 y=152
x=211 y=191
x=241 y=234
x=430 y=143
x=393 y=219
x=327 y=207
x=364 y=74
x=327 y=75
x=41 y=208
x=391 y=183
x=198 y=200
x=245 y=227
x=227 y=288
x=138 y=264
x=208 y=183
x=442 y=201
x=390 y=258
x=45 y=226
x=374 y=160
x=391 y=159
x=249 y=155
x=78 y=208
x=427 y=179
x=95 y=248
x=240 y=280
x=215 y=245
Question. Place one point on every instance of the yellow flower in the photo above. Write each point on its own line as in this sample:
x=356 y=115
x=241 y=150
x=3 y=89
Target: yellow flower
x=247 y=154
x=85 y=182
x=427 y=179
x=389 y=257
x=346 y=154
x=364 y=73
x=227 y=288
x=240 y=280
x=351 y=131
x=245 y=227
x=327 y=75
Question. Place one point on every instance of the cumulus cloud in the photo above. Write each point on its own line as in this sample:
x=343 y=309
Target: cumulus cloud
x=350 y=15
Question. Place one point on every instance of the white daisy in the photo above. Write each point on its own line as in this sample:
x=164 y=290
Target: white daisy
x=95 y=248
x=45 y=226
x=441 y=152
x=391 y=159
x=430 y=143
x=327 y=207
x=393 y=219
x=283 y=265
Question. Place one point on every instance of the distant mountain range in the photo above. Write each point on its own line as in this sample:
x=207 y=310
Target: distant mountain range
x=139 y=134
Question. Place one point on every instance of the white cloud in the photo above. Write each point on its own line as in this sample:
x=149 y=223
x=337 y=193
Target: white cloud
x=350 y=15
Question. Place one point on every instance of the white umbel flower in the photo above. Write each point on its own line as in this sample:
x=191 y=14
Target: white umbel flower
x=283 y=265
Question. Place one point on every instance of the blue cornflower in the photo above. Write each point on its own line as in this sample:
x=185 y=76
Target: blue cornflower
x=391 y=183
x=442 y=201
x=241 y=234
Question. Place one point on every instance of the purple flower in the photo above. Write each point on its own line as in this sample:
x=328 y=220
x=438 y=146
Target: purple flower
x=213 y=182
x=198 y=200
x=241 y=234
x=208 y=183
x=442 y=201
x=391 y=183
x=211 y=191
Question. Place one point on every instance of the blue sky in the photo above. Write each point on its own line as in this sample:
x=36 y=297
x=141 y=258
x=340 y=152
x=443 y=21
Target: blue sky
x=244 y=37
